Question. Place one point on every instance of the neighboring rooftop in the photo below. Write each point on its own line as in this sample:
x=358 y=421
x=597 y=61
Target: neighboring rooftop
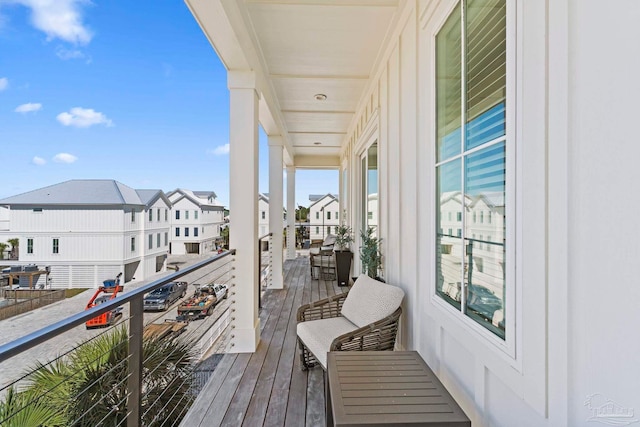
x=83 y=192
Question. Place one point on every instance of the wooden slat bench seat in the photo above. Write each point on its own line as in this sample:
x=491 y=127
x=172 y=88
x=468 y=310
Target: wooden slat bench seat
x=387 y=387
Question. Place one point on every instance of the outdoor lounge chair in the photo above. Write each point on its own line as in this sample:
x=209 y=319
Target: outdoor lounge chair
x=363 y=319
x=321 y=259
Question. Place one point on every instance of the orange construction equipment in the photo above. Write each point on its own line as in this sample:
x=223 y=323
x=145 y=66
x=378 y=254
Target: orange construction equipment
x=102 y=295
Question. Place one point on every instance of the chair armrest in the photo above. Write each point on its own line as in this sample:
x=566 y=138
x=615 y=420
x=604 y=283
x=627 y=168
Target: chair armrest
x=380 y=335
x=322 y=309
x=316 y=243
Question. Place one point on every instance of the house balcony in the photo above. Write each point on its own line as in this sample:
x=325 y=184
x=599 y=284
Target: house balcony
x=266 y=387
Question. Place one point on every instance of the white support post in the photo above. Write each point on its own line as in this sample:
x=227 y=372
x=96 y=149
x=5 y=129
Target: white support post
x=291 y=210
x=276 y=220
x=243 y=207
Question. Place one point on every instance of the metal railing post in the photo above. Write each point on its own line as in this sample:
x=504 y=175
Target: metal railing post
x=134 y=382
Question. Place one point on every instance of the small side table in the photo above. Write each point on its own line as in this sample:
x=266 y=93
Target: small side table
x=387 y=387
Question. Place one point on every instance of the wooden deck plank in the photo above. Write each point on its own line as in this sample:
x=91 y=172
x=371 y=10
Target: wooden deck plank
x=257 y=409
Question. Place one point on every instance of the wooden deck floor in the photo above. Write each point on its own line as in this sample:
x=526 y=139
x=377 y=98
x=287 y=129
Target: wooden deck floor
x=268 y=388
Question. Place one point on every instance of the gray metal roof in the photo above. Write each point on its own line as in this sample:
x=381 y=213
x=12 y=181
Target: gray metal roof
x=149 y=197
x=79 y=192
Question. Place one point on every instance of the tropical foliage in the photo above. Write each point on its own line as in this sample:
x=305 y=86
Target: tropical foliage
x=88 y=387
x=370 y=255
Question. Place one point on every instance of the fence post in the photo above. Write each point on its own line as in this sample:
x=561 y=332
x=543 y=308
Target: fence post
x=134 y=382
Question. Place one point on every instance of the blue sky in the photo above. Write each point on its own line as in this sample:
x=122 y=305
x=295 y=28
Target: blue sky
x=117 y=89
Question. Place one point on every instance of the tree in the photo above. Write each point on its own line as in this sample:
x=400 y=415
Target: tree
x=224 y=233
x=88 y=387
x=3 y=247
x=302 y=213
x=15 y=243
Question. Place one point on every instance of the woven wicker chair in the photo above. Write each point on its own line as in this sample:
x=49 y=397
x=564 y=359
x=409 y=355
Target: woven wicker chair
x=363 y=319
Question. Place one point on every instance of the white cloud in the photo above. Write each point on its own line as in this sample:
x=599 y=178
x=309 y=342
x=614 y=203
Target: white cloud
x=61 y=19
x=66 y=54
x=28 y=107
x=64 y=158
x=4 y=83
x=38 y=161
x=83 y=118
x=220 y=150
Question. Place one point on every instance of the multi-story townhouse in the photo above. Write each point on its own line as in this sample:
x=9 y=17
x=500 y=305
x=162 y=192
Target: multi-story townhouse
x=196 y=221
x=324 y=215
x=87 y=231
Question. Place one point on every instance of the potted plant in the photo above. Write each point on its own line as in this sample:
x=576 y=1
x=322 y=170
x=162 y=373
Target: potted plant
x=370 y=255
x=342 y=250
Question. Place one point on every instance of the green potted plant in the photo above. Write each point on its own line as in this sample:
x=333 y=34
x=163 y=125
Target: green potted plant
x=342 y=250
x=370 y=255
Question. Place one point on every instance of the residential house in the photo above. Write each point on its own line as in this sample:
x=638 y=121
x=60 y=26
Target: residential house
x=524 y=109
x=196 y=221
x=263 y=212
x=324 y=215
x=88 y=231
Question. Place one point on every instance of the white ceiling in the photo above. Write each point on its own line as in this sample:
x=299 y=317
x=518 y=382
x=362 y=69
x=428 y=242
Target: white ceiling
x=303 y=48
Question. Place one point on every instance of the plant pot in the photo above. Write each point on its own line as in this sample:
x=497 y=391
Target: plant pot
x=343 y=266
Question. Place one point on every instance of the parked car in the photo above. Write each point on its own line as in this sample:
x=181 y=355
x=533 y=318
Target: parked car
x=484 y=302
x=162 y=298
x=202 y=303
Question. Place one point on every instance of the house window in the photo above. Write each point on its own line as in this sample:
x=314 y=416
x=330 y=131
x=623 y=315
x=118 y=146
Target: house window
x=177 y=231
x=150 y=215
x=195 y=214
x=317 y=230
x=328 y=230
x=133 y=244
x=37 y=210
x=133 y=215
x=264 y=215
x=195 y=231
x=177 y=214
x=186 y=231
x=158 y=214
x=157 y=240
x=336 y=217
x=369 y=190
x=150 y=241
x=56 y=246
x=166 y=238
x=328 y=214
x=186 y=214
x=317 y=215
x=29 y=246
x=471 y=153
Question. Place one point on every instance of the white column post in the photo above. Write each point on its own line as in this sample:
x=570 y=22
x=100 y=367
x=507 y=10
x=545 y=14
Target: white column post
x=243 y=207
x=276 y=203
x=291 y=212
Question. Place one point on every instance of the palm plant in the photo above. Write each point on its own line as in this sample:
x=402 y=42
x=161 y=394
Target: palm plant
x=344 y=237
x=25 y=409
x=88 y=387
x=3 y=247
x=15 y=242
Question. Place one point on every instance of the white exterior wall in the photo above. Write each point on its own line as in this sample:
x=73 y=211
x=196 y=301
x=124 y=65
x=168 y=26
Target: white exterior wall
x=94 y=243
x=333 y=206
x=263 y=217
x=208 y=223
x=575 y=298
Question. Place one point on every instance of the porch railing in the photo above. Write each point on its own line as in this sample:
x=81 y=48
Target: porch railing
x=265 y=259
x=132 y=381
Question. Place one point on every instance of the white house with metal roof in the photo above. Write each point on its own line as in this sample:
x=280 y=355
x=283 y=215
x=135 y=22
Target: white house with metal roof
x=88 y=231
x=324 y=215
x=196 y=221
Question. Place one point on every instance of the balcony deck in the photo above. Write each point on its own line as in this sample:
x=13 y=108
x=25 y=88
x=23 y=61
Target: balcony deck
x=268 y=388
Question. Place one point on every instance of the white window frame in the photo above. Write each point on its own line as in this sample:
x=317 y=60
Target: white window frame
x=507 y=348
x=55 y=242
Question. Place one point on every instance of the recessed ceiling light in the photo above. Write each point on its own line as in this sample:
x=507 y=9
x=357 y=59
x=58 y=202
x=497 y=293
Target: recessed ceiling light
x=320 y=96
x=317 y=143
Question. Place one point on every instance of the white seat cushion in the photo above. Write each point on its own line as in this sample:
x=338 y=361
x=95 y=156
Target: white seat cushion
x=318 y=335
x=370 y=300
x=329 y=240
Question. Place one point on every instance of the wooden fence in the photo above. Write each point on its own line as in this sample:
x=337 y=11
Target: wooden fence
x=17 y=304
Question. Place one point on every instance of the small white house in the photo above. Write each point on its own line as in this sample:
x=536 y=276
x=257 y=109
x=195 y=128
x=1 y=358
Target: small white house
x=196 y=221
x=324 y=215
x=263 y=214
x=88 y=231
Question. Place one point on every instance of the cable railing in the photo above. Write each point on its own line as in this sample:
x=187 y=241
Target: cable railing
x=265 y=259
x=118 y=376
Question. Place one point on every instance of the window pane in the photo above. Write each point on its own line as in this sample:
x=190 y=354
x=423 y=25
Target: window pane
x=448 y=87
x=485 y=259
x=448 y=246
x=372 y=187
x=485 y=26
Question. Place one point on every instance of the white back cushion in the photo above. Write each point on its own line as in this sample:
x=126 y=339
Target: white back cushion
x=369 y=301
